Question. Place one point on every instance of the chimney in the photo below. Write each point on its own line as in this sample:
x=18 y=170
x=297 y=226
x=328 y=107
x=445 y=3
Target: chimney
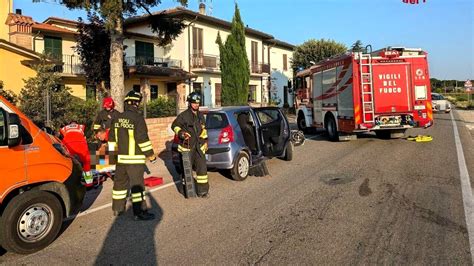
x=18 y=11
x=202 y=8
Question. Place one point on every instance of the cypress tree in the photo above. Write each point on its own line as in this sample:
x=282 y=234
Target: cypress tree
x=235 y=70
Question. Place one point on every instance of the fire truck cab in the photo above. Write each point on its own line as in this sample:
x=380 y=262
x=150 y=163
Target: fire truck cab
x=386 y=91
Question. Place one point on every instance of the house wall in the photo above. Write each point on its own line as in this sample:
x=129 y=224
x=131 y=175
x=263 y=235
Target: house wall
x=12 y=72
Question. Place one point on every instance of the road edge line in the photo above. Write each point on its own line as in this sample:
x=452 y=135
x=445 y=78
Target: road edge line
x=96 y=209
x=465 y=188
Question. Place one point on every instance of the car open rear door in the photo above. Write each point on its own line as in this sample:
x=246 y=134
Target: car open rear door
x=273 y=129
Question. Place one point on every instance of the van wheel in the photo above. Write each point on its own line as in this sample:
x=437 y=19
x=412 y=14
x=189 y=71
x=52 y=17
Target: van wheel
x=30 y=222
x=288 y=155
x=331 y=128
x=241 y=168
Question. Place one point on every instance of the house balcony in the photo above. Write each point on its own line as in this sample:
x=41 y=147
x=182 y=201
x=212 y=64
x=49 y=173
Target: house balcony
x=68 y=64
x=152 y=61
x=205 y=61
x=259 y=68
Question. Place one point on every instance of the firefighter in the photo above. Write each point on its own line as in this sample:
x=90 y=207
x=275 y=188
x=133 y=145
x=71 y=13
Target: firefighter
x=74 y=139
x=190 y=128
x=106 y=115
x=128 y=138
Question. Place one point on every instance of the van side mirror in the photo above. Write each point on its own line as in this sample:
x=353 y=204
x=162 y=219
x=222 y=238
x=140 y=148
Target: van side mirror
x=13 y=130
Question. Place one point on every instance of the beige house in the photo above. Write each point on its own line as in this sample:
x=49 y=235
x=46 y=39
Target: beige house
x=189 y=63
x=196 y=52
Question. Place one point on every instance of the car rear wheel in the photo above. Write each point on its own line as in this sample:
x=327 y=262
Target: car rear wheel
x=30 y=222
x=241 y=168
x=288 y=155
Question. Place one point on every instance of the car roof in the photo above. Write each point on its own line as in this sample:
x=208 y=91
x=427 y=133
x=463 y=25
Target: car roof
x=230 y=109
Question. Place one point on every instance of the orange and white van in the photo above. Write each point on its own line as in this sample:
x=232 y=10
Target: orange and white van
x=40 y=183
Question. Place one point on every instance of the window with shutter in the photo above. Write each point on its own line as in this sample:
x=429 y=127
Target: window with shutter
x=53 y=47
x=144 y=53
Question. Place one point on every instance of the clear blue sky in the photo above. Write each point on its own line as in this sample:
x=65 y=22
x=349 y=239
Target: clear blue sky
x=444 y=28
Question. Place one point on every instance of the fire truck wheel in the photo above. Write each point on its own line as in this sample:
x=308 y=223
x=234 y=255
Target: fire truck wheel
x=301 y=122
x=332 y=129
x=241 y=168
x=30 y=222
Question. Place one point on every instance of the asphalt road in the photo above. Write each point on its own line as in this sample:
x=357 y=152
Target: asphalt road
x=367 y=201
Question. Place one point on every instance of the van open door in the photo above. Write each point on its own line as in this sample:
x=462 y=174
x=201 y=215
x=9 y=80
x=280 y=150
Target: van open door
x=274 y=131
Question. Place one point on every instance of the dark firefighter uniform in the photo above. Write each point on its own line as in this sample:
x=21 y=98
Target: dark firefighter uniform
x=106 y=115
x=129 y=134
x=190 y=128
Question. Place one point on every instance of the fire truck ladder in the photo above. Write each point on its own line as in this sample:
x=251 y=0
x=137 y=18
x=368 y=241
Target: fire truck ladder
x=367 y=87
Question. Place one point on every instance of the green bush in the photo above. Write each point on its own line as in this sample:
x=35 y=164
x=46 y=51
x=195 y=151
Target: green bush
x=84 y=112
x=161 y=107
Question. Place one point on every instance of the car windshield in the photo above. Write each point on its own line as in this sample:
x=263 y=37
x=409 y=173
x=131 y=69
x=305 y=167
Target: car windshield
x=216 y=120
x=437 y=97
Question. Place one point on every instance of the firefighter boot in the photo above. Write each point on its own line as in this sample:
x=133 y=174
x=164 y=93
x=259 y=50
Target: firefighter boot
x=203 y=190
x=144 y=216
x=118 y=213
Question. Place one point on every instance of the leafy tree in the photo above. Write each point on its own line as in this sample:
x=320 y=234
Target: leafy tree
x=234 y=64
x=33 y=96
x=114 y=13
x=93 y=45
x=8 y=94
x=357 y=46
x=315 y=51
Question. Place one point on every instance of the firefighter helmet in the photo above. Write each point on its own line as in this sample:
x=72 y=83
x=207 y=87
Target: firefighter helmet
x=194 y=97
x=108 y=102
x=133 y=96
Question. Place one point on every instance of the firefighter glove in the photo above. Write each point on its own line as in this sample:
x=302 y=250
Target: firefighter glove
x=183 y=135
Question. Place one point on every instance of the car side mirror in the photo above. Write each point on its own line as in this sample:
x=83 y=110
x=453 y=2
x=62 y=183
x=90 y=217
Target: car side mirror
x=13 y=130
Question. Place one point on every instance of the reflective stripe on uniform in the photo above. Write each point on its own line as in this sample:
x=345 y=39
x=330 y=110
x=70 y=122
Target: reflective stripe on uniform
x=96 y=126
x=131 y=159
x=201 y=179
x=182 y=149
x=204 y=148
x=119 y=194
x=137 y=197
x=176 y=130
x=131 y=142
x=112 y=145
x=145 y=146
x=203 y=134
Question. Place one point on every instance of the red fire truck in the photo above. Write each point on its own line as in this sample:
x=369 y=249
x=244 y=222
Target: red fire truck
x=385 y=91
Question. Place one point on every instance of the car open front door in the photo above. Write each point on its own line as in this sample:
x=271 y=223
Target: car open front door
x=274 y=131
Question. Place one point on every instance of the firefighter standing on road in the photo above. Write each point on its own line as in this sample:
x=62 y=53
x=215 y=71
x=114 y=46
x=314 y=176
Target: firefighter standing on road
x=129 y=134
x=191 y=130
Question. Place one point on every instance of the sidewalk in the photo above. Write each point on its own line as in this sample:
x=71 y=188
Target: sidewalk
x=467 y=116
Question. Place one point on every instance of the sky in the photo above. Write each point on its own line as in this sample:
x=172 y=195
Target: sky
x=443 y=28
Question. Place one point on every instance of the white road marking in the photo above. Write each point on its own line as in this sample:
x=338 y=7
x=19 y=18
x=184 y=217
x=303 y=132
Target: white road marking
x=96 y=209
x=465 y=188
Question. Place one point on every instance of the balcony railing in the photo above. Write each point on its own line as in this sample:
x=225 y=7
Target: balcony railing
x=259 y=68
x=68 y=64
x=205 y=61
x=152 y=61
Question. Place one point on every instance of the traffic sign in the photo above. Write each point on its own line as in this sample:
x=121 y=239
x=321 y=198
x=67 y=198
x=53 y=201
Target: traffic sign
x=468 y=84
